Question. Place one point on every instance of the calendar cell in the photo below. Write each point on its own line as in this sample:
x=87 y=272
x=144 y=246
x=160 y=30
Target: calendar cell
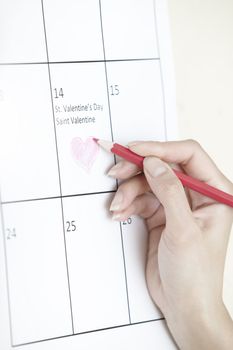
x=131 y=32
x=73 y=30
x=17 y=42
x=27 y=139
x=141 y=305
x=96 y=266
x=139 y=101
x=38 y=292
x=80 y=114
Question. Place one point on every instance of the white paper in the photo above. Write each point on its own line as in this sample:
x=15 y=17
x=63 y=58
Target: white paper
x=70 y=277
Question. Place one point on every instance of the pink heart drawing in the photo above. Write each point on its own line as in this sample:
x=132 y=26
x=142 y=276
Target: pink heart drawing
x=84 y=152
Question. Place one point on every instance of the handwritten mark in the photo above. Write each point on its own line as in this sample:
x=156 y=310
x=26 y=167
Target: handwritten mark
x=84 y=152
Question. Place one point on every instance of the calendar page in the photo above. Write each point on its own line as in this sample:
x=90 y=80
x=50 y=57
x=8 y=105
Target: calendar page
x=71 y=70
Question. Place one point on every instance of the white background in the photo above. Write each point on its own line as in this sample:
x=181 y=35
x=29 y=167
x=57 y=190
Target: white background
x=202 y=44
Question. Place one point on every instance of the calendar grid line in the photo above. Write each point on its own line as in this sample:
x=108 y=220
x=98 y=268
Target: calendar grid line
x=91 y=331
x=7 y=275
x=161 y=73
x=110 y=118
x=126 y=281
x=81 y=61
x=59 y=174
x=56 y=197
x=105 y=68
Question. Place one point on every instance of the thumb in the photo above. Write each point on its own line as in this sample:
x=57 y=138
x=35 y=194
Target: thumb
x=170 y=192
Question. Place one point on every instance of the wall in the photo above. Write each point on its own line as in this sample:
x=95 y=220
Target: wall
x=202 y=40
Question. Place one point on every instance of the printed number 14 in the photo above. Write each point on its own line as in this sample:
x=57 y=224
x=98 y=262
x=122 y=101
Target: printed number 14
x=58 y=93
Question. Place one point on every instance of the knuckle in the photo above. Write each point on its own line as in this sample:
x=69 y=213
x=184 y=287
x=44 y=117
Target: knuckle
x=193 y=144
x=171 y=187
x=133 y=184
x=124 y=186
x=228 y=186
x=224 y=184
x=155 y=147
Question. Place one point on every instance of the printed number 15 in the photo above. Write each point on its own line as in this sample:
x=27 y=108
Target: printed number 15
x=114 y=90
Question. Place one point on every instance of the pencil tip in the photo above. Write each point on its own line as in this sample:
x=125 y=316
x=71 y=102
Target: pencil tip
x=95 y=139
x=107 y=145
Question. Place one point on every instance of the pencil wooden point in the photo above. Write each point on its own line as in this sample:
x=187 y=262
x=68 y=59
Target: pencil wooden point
x=95 y=139
x=107 y=145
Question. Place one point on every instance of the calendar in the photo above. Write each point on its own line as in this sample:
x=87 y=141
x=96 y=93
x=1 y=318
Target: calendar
x=70 y=276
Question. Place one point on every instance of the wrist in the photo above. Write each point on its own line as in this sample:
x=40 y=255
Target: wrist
x=202 y=329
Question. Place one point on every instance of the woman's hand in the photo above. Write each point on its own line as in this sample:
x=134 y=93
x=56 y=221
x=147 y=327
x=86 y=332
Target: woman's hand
x=188 y=236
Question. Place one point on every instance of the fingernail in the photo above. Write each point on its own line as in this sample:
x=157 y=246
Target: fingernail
x=154 y=166
x=114 y=169
x=116 y=217
x=117 y=201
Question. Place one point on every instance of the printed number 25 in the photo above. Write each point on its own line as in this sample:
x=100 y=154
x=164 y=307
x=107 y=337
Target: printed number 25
x=71 y=226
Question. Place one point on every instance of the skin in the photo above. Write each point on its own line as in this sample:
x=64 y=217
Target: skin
x=188 y=236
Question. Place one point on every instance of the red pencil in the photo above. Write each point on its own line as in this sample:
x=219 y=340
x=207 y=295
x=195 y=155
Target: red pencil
x=188 y=181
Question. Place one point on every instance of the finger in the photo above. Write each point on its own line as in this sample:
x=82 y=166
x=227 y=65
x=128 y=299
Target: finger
x=145 y=206
x=158 y=219
x=169 y=191
x=189 y=154
x=152 y=266
x=128 y=191
x=123 y=170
